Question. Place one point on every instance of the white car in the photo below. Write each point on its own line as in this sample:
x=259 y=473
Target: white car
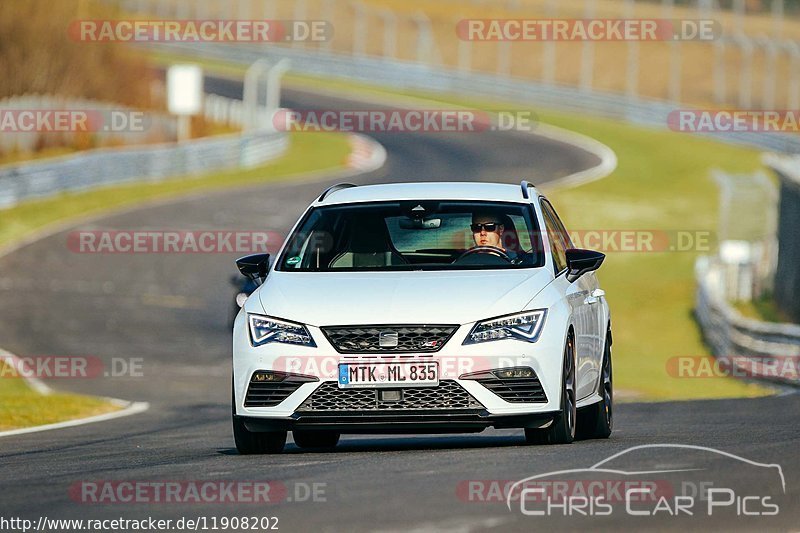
x=422 y=308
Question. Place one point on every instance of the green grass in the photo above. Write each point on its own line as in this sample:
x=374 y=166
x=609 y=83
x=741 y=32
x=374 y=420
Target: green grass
x=763 y=308
x=307 y=153
x=21 y=406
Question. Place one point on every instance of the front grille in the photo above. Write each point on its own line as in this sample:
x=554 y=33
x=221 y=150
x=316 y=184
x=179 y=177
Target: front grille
x=271 y=393
x=447 y=395
x=516 y=390
x=410 y=338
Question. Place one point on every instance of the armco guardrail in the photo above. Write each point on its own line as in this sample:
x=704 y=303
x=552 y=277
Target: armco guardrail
x=762 y=350
x=107 y=166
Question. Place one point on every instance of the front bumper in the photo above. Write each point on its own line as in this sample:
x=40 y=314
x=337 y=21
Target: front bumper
x=455 y=360
x=392 y=422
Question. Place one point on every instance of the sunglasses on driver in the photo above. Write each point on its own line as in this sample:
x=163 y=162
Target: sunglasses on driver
x=488 y=226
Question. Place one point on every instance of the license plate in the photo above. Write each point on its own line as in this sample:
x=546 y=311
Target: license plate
x=408 y=374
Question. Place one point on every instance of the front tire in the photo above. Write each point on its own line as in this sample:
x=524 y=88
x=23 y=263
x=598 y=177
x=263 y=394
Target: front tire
x=597 y=420
x=562 y=429
x=250 y=442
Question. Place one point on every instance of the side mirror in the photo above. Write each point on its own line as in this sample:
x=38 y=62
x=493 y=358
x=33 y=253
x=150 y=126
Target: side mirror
x=254 y=266
x=579 y=262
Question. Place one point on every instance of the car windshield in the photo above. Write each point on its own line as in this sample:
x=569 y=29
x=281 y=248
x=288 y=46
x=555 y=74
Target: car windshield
x=414 y=235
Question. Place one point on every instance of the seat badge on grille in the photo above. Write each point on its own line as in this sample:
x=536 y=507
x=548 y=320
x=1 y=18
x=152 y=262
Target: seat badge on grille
x=388 y=339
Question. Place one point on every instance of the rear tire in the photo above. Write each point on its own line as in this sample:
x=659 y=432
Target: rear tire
x=315 y=439
x=250 y=442
x=597 y=420
x=562 y=429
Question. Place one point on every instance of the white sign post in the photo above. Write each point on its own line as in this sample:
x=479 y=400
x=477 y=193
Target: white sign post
x=184 y=95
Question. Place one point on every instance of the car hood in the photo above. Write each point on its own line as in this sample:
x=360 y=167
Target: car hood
x=418 y=297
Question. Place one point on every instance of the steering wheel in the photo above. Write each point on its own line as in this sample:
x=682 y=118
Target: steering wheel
x=491 y=250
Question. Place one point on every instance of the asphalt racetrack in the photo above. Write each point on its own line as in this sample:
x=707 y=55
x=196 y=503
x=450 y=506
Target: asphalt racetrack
x=171 y=312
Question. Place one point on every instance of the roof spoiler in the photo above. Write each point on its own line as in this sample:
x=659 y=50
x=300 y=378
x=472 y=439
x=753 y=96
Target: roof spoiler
x=334 y=188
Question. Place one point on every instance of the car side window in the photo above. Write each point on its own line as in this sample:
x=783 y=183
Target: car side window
x=559 y=226
x=558 y=248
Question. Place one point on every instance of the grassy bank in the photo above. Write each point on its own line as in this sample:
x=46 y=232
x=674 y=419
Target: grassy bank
x=763 y=308
x=21 y=406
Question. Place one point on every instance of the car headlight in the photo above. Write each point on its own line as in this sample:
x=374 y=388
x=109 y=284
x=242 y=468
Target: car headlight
x=265 y=329
x=523 y=326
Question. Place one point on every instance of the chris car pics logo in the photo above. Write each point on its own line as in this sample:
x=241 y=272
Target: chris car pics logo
x=680 y=481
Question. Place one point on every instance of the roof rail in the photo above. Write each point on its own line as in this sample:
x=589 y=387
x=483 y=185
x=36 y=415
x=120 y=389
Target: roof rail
x=332 y=189
x=524 y=185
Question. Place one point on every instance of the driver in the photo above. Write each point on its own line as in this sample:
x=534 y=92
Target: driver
x=487 y=230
